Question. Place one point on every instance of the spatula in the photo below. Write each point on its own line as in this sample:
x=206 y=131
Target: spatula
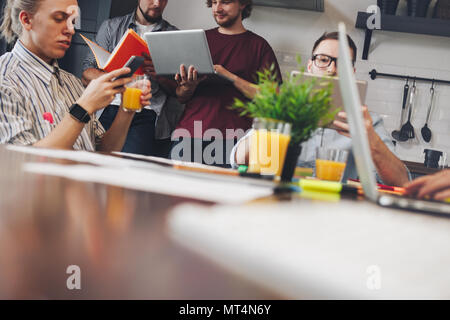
x=396 y=134
x=407 y=129
x=426 y=132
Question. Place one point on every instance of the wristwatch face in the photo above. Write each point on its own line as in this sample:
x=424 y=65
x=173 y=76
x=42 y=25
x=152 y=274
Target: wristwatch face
x=79 y=113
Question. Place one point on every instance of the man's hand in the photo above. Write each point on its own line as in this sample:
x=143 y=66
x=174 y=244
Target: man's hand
x=436 y=186
x=146 y=93
x=343 y=128
x=247 y=88
x=101 y=91
x=224 y=72
x=148 y=66
x=187 y=82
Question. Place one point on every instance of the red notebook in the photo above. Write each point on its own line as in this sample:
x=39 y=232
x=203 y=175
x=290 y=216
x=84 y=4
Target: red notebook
x=131 y=44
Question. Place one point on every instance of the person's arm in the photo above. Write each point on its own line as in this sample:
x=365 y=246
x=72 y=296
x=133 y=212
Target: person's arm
x=436 y=186
x=91 y=74
x=188 y=82
x=267 y=60
x=247 y=88
x=97 y=95
x=390 y=168
x=90 y=68
x=114 y=138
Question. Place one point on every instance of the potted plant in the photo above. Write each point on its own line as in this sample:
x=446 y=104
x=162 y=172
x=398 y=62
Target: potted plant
x=298 y=101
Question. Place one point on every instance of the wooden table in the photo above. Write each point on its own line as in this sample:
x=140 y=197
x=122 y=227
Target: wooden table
x=116 y=236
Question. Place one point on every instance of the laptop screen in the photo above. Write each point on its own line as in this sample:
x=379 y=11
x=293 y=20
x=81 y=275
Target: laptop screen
x=352 y=105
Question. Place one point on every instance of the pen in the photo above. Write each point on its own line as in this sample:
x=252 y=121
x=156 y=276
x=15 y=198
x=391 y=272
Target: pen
x=381 y=187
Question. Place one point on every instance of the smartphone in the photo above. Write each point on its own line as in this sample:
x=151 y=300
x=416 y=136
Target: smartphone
x=133 y=63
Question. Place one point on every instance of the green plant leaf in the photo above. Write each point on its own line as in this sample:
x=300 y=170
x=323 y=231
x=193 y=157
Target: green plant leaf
x=297 y=101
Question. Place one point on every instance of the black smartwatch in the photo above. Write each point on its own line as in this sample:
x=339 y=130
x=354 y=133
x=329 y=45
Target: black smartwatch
x=79 y=114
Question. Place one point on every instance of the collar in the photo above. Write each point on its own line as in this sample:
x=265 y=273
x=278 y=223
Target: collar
x=36 y=65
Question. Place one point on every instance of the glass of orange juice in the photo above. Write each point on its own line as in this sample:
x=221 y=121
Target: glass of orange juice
x=330 y=163
x=268 y=146
x=131 y=100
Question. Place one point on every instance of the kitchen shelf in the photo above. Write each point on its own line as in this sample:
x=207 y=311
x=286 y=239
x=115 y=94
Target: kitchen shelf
x=427 y=26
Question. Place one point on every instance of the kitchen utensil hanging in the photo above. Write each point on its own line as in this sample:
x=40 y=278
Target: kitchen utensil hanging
x=426 y=132
x=407 y=129
x=397 y=134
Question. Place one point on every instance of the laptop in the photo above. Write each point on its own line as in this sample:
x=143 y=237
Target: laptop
x=336 y=98
x=361 y=150
x=170 y=49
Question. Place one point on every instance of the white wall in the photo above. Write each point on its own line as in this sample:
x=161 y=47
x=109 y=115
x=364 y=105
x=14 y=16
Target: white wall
x=292 y=32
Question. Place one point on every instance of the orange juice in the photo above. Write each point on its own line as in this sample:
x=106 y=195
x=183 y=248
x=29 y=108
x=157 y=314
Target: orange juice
x=329 y=170
x=132 y=99
x=267 y=152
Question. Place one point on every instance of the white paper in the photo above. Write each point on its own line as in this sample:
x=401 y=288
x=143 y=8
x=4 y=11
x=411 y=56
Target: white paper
x=158 y=181
x=81 y=156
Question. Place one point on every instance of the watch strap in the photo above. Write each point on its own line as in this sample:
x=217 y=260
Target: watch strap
x=79 y=113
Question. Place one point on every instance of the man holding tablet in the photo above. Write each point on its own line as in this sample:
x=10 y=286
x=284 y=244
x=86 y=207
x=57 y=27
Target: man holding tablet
x=150 y=130
x=390 y=169
x=208 y=128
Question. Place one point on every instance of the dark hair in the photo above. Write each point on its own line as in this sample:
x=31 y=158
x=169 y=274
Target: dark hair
x=335 y=36
x=247 y=10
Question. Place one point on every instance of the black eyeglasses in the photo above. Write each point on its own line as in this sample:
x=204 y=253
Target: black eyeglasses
x=323 y=61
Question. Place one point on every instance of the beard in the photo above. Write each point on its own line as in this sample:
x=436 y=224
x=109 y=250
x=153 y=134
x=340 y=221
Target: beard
x=229 y=22
x=149 y=19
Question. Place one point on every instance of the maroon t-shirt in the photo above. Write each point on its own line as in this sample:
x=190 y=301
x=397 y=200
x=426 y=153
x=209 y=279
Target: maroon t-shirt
x=243 y=55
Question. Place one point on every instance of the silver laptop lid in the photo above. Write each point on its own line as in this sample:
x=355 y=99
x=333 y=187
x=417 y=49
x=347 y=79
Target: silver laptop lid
x=170 y=49
x=352 y=105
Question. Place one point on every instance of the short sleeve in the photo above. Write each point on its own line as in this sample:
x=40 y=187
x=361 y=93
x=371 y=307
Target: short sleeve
x=378 y=125
x=244 y=139
x=268 y=59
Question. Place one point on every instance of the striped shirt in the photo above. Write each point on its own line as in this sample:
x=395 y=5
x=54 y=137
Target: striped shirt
x=31 y=89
